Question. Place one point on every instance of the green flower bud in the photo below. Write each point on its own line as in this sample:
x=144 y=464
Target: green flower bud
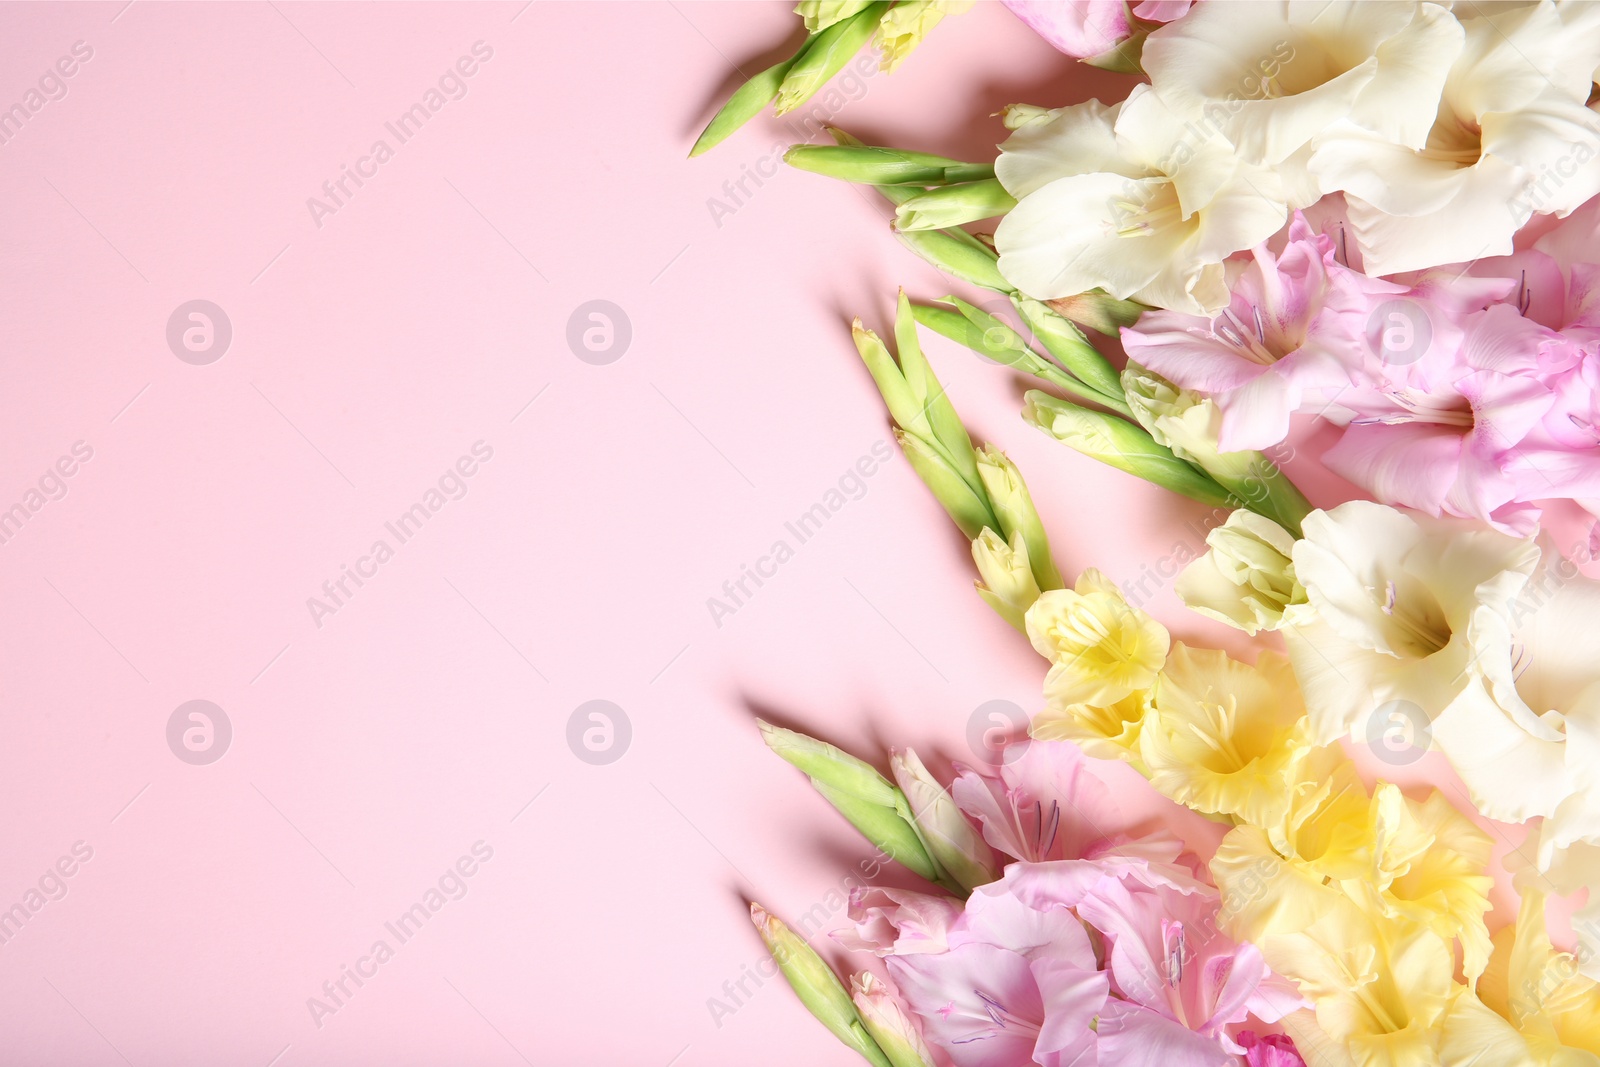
x=862 y=795
x=895 y=194
x=954 y=205
x=960 y=254
x=953 y=842
x=866 y=165
x=979 y=331
x=1247 y=577
x=1013 y=506
x=745 y=104
x=1066 y=343
x=1006 y=580
x=933 y=438
x=826 y=54
x=968 y=509
x=994 y=339
x=818 y=988
x=1120 y=444
x=1188 y=423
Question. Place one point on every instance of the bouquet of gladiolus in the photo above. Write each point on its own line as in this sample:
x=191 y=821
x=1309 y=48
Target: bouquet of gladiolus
x=1380 y=216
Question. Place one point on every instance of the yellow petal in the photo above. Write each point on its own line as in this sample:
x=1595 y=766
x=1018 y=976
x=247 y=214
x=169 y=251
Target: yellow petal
x=1223 y=737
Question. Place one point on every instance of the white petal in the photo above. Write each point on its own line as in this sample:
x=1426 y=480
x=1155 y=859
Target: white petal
x=1079 y=140
x=1270 y=77
x=1062 y=240
x=1480 y=221
x=1512 y=775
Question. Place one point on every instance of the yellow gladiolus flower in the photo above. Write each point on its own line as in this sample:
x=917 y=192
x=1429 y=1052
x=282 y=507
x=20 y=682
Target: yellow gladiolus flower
x=1430 y=868
x=1100 y=647
x=1110 y=732
x=1379 y=987
x=1328 y=826
x=1223 y=737
x=1539 y=990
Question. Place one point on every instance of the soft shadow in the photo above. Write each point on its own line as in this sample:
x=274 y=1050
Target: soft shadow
x=737 y=76
x=973 y=135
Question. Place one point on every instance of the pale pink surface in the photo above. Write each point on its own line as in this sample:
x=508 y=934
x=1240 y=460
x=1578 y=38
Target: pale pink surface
x=371 y=753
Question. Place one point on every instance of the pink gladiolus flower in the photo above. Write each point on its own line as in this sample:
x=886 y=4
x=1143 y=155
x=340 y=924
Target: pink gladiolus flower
x=1438 y=434
x=1183 y=981
x=1045 y=804
x=1470 y=391
x=1294 y=331
x=1438 y=419
x=1094 y=947
x=1021 y=981
x=1015 y=979
x=898 y=921
x=1085 y=29
x=1017 y=986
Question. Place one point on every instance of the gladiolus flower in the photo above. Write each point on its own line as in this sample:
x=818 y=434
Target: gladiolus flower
x=1100 y=647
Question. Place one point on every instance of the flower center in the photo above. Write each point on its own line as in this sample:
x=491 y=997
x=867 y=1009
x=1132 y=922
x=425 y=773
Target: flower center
x=1142 y=214
x=1001 y=1017
x=1219 y=732
x=1454 y=139
x=1419 y=618
x=1314 y=61
x=1250 y=339
x=1449 y=410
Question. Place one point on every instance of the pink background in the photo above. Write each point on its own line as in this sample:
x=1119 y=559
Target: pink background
x=427 y=313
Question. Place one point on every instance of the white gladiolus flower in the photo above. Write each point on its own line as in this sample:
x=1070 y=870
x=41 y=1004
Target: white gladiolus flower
x=1271 y=76
x=1512 y=136
x=1133 y=199
x=1394 y=600
x=1569 y=842
x=1525 y=734
x=1532 y=675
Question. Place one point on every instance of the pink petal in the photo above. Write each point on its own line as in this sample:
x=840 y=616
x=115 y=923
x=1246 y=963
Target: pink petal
x=1412 y=464
x=1080 y=28
x=1133 y=1036
x=1072 y=998
x=977 y=1002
